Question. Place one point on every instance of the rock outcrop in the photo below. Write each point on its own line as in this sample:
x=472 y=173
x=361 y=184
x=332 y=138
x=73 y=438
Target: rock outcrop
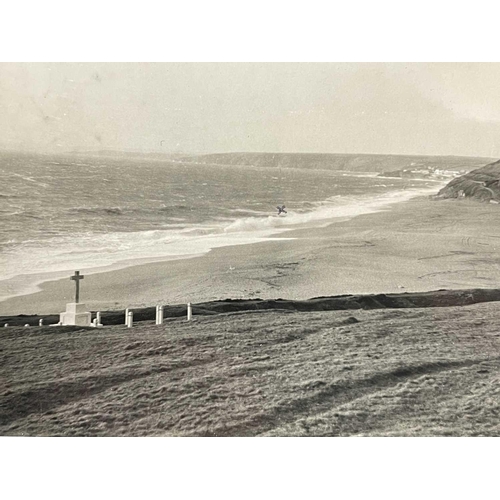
x=482 y=184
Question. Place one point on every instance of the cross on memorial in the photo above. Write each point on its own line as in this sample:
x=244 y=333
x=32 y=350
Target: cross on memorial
x=77 y=279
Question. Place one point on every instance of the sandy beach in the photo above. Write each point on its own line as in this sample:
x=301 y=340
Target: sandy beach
x=419 y=245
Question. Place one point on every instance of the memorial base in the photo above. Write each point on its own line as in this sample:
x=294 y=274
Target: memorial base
x=76 y=314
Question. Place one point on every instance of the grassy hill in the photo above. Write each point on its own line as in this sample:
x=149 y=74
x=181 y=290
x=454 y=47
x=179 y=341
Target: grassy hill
x=386 y=372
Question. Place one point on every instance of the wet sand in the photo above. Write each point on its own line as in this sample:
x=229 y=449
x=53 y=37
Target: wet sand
x=419 y=245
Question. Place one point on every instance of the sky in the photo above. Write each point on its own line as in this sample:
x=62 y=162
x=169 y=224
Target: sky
x=388 y=108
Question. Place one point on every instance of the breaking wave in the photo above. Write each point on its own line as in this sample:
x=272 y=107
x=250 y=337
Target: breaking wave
x=99 y=252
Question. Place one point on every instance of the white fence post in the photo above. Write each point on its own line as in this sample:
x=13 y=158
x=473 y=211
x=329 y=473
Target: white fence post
x=130 y=319
x=126 y=315
x=159 y=315
x=189 y=311
x=98 y=318
x=40 y=322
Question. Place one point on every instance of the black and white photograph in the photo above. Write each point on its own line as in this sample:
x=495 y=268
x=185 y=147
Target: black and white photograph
x=250 y=248
x=188 y=255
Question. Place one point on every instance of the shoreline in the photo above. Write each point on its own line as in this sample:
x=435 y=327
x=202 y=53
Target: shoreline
x=416 y=245
x=28 y=284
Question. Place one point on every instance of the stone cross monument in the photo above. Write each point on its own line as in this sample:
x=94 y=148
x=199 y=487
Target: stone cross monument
x=76 y=313
x=77 y=277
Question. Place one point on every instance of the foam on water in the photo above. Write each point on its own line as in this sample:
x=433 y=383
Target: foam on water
x=322 y=213
x=90 y=251
x=58 y=213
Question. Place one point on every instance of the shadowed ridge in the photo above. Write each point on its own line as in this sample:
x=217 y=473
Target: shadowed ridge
x=438 y=298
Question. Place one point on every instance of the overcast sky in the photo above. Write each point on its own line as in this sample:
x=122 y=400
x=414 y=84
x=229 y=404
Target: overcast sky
x=414 y=108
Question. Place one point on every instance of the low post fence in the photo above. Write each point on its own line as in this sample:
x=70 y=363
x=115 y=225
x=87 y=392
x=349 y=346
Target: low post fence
x=130 y=319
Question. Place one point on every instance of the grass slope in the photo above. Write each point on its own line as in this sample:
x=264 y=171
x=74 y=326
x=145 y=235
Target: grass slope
x=413 y=372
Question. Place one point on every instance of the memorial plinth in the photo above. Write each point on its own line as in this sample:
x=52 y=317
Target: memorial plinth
x=76 y=314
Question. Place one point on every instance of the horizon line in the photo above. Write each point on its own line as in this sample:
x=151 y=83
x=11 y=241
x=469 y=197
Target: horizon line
x=154 y=152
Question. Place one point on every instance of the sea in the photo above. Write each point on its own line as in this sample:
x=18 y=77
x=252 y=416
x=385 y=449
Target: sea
x=94 y=213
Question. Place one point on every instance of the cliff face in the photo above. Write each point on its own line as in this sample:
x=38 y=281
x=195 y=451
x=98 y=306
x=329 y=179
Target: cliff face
x=482 y=184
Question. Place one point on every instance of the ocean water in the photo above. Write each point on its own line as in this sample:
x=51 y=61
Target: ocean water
x=63 y=213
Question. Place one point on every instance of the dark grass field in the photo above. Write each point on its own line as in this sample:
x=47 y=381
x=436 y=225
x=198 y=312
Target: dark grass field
x=405 y=372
